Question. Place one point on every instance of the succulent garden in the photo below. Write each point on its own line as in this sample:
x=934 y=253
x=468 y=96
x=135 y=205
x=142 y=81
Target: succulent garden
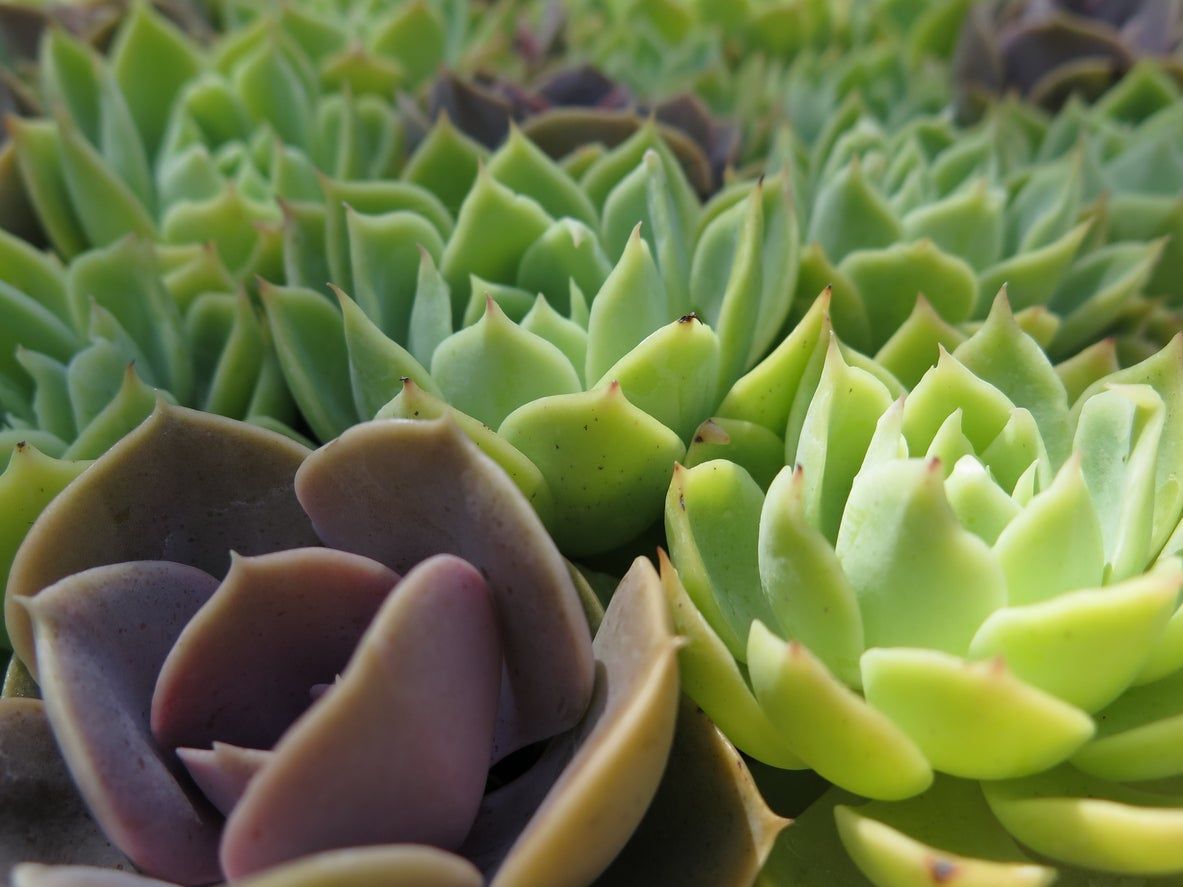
x=545 y=443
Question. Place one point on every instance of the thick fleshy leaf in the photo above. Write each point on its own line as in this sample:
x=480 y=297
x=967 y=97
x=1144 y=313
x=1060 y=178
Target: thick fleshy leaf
x=569 y=252
x=1078 y=819
x=1138 y=735
x=357 y=866
x=522 y=166
x=920 y=578
x=803 y=580
x=29 y=483
x=1003 y=355
x=835 y=432
x=415 y=403
x=945 y=836
x=1085 y=647
x=852 y=744
x=974 y=720
x=712 y=520
x=629 y=306
x=310 y=341
x=313 y=604
x=420 y=689
x=406 y=474
x=41 y=815
x=605 y=494
x=493 y=367
x=620 y=747
x=765 y=394
x=102 y=636
x=916 y=345
x=1055 y=544
x=185 y=486
x=711 y=677
x=223 y=771
x=759 y=451
x=494 y=228
x=707 y=825
x=890 y=279
x=849 y=215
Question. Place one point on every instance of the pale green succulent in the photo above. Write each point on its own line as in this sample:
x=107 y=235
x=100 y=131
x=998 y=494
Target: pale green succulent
x=966 y=596
x=593 y=324
x=1071 y=213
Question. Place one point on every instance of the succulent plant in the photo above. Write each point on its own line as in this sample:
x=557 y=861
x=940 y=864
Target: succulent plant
x=976 y=579
x=378 y=705
x=1049 y=50
x=488 y=317
x=1071 y=213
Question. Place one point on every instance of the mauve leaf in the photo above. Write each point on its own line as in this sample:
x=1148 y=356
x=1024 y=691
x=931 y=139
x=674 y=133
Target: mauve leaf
x=409 y=474
x=101 y=637
x=412 y=402
x=406 y=732
x=359 y=867
x=218 y=684
x=41 y=815
x=707 y=825
x=31 y=874
x=223 y=772
x=617 y=752
x=185 y=486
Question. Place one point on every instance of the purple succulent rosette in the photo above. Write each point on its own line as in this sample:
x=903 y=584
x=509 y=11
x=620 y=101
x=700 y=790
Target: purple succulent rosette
x=239 y=680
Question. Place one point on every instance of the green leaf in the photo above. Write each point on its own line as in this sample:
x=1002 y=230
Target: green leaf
x=522 y=167
x=606 y=463
x=310 y=341
x=920 y=578
x=494 y=229
x=849 y=215
x=385 y=256
x=490 y=369
x=972 y=719
x=829 y=726
x=629 y=306
x=29 y=483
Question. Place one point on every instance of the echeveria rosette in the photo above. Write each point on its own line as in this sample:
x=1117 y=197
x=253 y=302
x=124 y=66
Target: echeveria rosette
x=1056 y=209
x=1049 y=50
x=565 y=316
x=170 y=715
x=961 y=603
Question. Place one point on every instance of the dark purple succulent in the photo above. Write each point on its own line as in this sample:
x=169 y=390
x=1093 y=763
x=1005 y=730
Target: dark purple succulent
x=310 y=699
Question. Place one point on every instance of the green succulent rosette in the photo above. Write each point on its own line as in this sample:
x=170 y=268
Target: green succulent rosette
x=959 y=603
x=1071 y=213
x=591 y=318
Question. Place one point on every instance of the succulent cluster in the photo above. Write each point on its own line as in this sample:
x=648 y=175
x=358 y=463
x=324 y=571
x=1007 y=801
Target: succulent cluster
x=890 y=366
x=977 y=579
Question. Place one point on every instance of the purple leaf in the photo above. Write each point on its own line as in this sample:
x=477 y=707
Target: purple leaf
x=241 y=671
x=398 y=750
x=41 y=815
x=184 y=486
x=400 y=491
x=102 y=636
x=222 y=772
